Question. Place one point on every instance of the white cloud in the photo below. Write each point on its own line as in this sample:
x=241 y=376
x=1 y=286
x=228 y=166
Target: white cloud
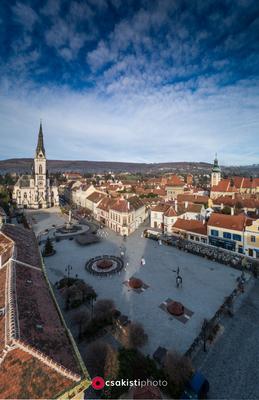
x=25 y=15
x=169 y=124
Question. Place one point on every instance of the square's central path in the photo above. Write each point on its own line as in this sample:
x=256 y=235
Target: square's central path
x=205 y=284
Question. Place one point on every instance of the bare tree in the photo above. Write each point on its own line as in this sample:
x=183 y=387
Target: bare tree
x=178 y=367
x=111 y=367
x=103 y=309
x=134 y=336
x=102 y=359
x=81 y=319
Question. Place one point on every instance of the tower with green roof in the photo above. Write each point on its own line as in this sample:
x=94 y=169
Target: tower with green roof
x=215 y=172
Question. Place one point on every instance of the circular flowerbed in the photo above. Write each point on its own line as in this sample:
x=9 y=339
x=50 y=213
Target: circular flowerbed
x=135 y=283
x=104 y=265
x=175 y=308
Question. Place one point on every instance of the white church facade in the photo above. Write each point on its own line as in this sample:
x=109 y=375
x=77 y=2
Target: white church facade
x=36 y=190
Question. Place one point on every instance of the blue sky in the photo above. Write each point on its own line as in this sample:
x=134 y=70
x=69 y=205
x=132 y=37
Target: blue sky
x=126 y=80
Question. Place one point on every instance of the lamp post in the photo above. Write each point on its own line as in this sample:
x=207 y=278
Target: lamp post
x=68 y=269
x=204 y=329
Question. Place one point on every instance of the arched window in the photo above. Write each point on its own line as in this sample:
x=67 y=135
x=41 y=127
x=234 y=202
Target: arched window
x=40 y=169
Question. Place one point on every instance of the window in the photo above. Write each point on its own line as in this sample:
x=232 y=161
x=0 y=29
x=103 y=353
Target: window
x=253 y=239
x=40 y=169
x=213 y=232
x=226 y=235
x=237 y=237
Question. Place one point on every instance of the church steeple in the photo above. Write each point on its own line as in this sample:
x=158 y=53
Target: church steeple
x=216 y=167
x=215 y=173
x=40 y=145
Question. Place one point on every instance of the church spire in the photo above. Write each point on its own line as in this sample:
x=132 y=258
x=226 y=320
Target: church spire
x=40 y=145
x=216 y=167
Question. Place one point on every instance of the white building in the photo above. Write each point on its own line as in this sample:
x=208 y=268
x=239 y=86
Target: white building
x=36 y=190
x=121 y=215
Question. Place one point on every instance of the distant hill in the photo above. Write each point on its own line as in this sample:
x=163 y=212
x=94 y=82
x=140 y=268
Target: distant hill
x=24 y=165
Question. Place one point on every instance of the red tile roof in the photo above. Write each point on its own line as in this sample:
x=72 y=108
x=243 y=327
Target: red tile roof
x=34 y=324
x=193 y=198
x=105 y=204
x=162 y=208
x=170 y=212
x=95 y=197
x=22 y=376
x=174 y=180
x=232 y=222
x=191 y=225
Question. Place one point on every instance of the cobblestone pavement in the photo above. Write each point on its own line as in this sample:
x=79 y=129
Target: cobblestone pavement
x=205 y=284
x=231 y=365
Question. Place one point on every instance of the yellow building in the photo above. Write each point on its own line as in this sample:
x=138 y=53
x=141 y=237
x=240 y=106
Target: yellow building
x=252 y=239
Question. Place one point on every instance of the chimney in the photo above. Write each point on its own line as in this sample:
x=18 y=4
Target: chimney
x=186 y=204
x=232 y=210
x=176 y=205
x=128 y=204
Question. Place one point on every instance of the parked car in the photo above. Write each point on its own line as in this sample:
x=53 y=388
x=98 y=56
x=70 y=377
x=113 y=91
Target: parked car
x=196 y=388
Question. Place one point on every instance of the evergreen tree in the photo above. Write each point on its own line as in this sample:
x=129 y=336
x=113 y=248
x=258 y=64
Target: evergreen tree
x=48 y=249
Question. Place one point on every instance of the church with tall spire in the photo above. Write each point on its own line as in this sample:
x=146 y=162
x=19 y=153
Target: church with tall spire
x=36 y=190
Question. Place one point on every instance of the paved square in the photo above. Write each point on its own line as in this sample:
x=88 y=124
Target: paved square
x=205 y=284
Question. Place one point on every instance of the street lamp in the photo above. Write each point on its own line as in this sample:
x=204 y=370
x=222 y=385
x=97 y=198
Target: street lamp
x=204 y=330
x=68 y=269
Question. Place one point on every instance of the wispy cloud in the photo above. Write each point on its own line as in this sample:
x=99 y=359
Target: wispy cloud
x=132 y=80
x=25 y=15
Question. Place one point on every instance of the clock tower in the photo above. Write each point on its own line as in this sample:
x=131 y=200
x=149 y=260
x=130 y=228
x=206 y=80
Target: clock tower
x=215 y=173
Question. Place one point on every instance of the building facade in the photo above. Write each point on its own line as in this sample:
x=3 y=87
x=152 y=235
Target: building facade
x=36 y=190
x=252 y=239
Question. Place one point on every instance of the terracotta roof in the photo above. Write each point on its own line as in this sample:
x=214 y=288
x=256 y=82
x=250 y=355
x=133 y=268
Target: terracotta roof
x=32 y=379
x=191 y=225
x=2 y=305
x=105 y=204
x=121 y=205
x=26 y=243
x=95 y=197
x=193 y=198
x=160 y=208
x=135 y=202
x=170 y=212
x=32 y=323
x=5 y=243
x=233 y=222
x=174 y=180
x=223 y=186
x=225 y=200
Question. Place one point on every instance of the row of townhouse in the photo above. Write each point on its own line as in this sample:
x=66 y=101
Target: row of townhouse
x=119 y=214
x=237 y=233
x=249 y=206
x=235 y=185
x=163 y=216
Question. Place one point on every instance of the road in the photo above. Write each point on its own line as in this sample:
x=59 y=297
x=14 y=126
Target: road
x=231 y=366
